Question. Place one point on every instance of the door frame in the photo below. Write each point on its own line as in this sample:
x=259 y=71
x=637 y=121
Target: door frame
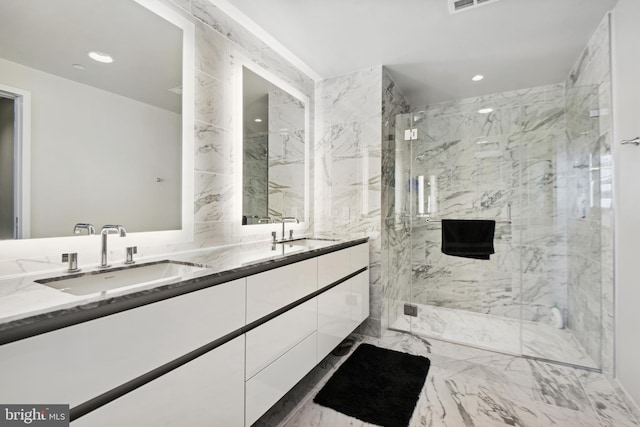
x=21 y=159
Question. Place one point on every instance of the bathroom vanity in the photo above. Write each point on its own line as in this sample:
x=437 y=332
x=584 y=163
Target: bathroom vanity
x=217 y=347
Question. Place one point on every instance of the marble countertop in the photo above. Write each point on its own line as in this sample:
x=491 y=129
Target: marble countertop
x=24 y=302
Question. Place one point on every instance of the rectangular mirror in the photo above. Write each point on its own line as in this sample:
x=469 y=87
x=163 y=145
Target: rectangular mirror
x=274 y=149
x=102 y=137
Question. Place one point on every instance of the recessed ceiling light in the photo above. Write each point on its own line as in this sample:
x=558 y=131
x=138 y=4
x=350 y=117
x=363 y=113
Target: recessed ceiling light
x=100 y=57
x=78 y=67
x=485 y=110
x=482 y=141
x=257 y=120
x=477 y=77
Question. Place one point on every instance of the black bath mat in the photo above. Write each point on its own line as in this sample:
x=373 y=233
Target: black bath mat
x=376 y=385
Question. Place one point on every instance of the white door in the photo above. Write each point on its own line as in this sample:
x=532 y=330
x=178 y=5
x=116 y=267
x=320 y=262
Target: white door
x=626 y=92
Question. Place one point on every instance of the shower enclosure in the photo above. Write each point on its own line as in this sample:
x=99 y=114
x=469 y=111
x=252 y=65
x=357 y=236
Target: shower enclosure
x=537 y=164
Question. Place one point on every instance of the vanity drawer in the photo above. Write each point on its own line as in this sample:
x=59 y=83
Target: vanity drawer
x=274 y=289
x=271 y=340
x=334 y=317
x=359 y=256
x=79 y=362
x=208 y=391
x=336 y=265
x=332 y=267
x=273 y=382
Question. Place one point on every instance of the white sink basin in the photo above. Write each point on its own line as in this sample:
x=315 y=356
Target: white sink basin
x=158 y=273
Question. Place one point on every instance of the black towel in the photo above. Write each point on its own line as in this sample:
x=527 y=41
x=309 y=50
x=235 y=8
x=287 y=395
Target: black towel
x=468 y=238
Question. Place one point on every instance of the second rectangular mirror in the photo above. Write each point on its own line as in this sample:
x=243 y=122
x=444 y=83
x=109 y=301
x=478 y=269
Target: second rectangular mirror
x=274 y=150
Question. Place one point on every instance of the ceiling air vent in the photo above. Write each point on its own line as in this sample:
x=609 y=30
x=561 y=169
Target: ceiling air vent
x=456 y=6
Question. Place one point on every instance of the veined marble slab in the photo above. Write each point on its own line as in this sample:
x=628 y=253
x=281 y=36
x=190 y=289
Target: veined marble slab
x=468 y=387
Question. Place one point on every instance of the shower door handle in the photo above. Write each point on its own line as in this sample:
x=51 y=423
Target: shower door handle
x=635 y=141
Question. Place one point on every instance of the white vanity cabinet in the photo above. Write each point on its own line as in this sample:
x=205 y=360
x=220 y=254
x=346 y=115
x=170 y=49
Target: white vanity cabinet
x=281 y=323
x=342 y=308
x=273 y=368
x=79 y=362
x=208 y=391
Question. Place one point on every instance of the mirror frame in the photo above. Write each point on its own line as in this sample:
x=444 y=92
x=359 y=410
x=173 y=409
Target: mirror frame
x=251 y=229
x=12 y=249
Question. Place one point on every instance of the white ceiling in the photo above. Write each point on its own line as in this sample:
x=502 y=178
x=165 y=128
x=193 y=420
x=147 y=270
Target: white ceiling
x=430 y=53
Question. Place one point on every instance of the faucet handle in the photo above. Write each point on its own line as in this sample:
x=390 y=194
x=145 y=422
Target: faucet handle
x=84 y=226
x=273 y=235
x=72 y=259
x=131 y=250
x=112 y=229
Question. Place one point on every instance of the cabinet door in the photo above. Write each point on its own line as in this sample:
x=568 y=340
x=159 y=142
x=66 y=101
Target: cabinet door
x=340 y=311
x=334 y=317
x=77 y=363
x=208 y=391
x=360 y=297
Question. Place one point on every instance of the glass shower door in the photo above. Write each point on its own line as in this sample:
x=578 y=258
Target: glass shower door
x=447 y=171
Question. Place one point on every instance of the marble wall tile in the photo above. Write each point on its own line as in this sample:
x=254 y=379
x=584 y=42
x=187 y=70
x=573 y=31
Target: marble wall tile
x=213 y=194
x=212 y=52
x=250 y=45
x=213 y=149
x=543 y=116
x=208 y=108
x=349 y=173
x=354 y=97
x=594 y=62
x=185 y=4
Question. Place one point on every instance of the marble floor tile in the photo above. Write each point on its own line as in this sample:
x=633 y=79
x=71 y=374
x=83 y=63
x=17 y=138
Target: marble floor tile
x=609 y=406
x=496 y=333
x=470 y=387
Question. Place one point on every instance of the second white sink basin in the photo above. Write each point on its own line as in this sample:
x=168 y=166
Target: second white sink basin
x=278 y=251
x=155 y=273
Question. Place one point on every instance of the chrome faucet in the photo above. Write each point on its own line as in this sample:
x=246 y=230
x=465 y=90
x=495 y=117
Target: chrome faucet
x=106 y=230
x=84 y=226
x=286 y=219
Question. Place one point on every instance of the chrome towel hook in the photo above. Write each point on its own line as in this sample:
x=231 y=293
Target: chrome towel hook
x=635 y=141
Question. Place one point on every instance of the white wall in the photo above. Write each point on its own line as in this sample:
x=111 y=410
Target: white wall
x=94 y=152
x=626 y=95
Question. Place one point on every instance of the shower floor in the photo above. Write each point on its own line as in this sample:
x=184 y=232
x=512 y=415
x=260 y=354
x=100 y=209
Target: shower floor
x=496 y=333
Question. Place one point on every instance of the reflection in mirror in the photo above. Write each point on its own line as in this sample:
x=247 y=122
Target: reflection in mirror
x=273 y=151
x=105 y=138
